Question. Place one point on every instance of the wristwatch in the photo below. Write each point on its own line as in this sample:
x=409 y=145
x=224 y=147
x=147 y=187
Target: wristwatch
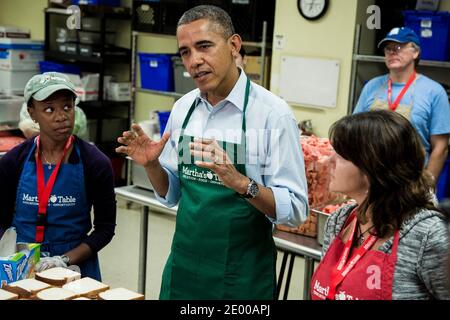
x=252 y=190
x=65 y=259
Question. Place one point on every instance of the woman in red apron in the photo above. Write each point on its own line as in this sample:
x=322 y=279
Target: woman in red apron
x=392 y=243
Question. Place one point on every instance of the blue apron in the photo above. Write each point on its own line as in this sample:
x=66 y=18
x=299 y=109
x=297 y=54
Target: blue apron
x=68 y=213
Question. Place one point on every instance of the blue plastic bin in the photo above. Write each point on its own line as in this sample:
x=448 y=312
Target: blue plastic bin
x=49 y=66
x=156 y=71
x=111 y=3
x=433 y=29
x=163 y=118
x=443 y=183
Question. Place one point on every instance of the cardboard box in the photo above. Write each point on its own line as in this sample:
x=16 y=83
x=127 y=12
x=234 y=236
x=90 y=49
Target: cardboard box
x=252 y=69
x=14 y=32
x=86 y=86
x=21 y=265
x=119 y=91
x=20 y=54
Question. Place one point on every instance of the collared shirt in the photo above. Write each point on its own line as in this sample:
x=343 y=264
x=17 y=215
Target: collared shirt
x=274 y=156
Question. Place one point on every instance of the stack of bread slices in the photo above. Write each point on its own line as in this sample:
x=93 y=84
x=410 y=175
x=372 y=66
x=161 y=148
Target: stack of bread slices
x=6 y=295
x=64 y=284
x=27 y=288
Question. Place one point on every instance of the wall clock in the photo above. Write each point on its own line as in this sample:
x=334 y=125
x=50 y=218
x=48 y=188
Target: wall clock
x=312 y=9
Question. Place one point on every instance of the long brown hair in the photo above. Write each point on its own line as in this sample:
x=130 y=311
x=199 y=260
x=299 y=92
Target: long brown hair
x=386 y=148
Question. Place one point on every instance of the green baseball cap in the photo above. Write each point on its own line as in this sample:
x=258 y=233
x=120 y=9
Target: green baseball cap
x=42 y=86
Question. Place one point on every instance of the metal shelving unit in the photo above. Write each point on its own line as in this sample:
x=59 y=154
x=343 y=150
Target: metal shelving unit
x=112 y=56
x=427 y=63
x=175 y=95
x=99 y=62
x=360 y=58
x=264 y=46
x=108 y=54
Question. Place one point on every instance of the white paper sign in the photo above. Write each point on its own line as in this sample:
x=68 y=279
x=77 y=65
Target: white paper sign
x=309 y=82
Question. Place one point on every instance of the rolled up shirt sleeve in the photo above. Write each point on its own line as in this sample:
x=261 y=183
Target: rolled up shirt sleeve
x=173 y=193
x=284 y=173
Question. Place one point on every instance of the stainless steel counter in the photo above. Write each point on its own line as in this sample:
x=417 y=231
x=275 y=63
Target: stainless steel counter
x=294 y=245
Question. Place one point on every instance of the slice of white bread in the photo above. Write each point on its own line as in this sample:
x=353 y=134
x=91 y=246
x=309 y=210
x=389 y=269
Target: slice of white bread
x=6 y=295
x=86 y=287
x=56 y=294
x=57 y=276
x=82 y=298
x=26 y=288
x=120 y=294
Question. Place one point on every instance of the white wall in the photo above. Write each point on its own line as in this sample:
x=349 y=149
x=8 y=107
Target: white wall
x=330 y=37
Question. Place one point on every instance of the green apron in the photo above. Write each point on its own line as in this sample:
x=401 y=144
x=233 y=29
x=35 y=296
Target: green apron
x=222 y=247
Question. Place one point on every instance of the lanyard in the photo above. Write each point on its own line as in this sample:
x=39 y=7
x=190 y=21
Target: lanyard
x=394 y=105
x=344 y=266
x=194 y=104
x=44 y=190
x=191 y=110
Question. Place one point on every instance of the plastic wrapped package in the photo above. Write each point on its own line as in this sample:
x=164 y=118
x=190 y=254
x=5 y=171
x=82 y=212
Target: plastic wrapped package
x=315 y=223
x=317 y=154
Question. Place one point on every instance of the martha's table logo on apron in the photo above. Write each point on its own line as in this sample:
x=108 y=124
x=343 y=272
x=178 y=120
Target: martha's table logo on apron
x=54 y=201
x=205 y=176
x=322 y=292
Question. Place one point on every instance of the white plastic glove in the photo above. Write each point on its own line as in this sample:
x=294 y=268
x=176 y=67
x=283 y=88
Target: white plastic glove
x=50 y=262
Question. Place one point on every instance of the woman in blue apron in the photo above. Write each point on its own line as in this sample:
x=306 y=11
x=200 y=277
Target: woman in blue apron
x=51 y=203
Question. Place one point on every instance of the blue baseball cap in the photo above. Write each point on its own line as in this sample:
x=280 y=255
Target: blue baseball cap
x=401 y=35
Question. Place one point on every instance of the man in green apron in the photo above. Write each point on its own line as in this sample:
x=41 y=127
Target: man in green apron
x=418 y=98
x=231 y=157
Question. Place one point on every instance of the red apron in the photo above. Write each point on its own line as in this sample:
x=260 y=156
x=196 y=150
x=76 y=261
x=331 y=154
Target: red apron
x=369 y=278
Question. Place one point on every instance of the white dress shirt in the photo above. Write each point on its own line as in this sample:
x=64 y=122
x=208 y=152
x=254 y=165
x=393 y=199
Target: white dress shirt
x=274 y=156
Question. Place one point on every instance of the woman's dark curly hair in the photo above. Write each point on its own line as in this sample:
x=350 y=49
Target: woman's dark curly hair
x=386 y=148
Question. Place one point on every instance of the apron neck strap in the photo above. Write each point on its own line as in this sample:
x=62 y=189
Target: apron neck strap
x=194 y=104
x=44 y=189
x=394 y=105
x=244 y=110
